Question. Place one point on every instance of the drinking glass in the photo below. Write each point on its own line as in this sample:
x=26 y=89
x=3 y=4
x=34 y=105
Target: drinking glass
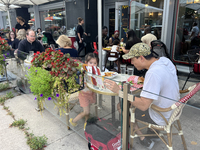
x=31 y=53
x=30 y=56
x=123 y=68
x=130 y=70
x=52 y=46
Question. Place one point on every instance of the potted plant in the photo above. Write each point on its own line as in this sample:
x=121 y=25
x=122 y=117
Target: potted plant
x=3 y=47
x=54 y=71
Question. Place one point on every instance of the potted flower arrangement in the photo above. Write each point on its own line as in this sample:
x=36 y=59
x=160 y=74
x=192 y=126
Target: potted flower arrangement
x=3 y=47
x=51 y=71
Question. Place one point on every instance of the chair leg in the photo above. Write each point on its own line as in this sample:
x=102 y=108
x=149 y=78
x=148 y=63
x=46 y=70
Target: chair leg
x=182 y=137
x=132 y=134
x=169 y=138
x=106 y=61
x=118 y=66
x=186 y=80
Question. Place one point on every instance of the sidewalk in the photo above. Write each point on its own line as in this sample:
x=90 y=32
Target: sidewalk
x=23 y=107
x=60 y=138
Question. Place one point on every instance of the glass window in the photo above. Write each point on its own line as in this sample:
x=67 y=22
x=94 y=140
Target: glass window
x=53 y=21
x=187 y=29
x=146 y=13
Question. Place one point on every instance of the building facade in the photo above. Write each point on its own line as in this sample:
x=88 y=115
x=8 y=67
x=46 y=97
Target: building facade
x=171 y=21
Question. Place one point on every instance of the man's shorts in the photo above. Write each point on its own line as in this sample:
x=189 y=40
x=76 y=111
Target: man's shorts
x=143 y=116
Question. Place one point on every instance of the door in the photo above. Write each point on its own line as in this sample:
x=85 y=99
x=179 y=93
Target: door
x=121 y=18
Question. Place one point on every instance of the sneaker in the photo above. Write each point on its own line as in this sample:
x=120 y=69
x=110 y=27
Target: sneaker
x=147 y=143
x=72 y=123
x=85 y=125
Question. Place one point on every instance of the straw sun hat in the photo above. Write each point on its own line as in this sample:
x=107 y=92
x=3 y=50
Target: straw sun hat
x=64 y=41
x=30 y=22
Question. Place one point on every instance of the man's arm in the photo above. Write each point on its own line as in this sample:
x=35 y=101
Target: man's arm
x=21 y=46
x=20 y=50
x=41 y=48
x=142 y=103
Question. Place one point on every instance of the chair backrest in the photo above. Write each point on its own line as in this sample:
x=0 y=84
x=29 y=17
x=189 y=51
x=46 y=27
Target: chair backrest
x=95 y=45
x=50 y=39
x=181 y=103
x=160 y=48
x=192 y=55
x=113 y=54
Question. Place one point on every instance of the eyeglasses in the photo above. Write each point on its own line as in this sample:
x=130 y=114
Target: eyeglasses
x=32 y=36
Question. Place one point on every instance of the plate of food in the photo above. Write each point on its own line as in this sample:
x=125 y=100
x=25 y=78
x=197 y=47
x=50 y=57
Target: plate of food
x=107 y=48
x=109 y=74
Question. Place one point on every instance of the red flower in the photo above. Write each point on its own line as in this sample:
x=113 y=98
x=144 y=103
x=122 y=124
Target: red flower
x=68 y=59
x=34 y=54
x=59 y=50
x=38 y=52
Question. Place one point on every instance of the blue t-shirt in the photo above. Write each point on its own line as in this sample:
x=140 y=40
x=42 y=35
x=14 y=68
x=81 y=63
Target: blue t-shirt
x=71 y=51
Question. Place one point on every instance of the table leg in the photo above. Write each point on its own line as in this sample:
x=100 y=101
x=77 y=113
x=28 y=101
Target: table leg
x=96 y=109
x=113 y=108
x=99 y=100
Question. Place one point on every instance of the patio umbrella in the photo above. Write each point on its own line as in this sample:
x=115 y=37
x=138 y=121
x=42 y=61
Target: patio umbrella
x=192 y=5
x=9 y=3
x=6 y=8
x=140 y=8
x=53 y=18
x=33 y=19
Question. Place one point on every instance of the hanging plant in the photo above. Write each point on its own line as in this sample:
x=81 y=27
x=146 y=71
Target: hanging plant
x=41 y=84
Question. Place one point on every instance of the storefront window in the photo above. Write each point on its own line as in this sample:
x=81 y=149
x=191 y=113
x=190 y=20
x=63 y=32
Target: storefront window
x=53 y=21
x=146 y=13
x=32 y=22
x=187 y=29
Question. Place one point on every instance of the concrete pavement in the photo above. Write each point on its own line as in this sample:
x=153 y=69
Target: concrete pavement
x=60 y=138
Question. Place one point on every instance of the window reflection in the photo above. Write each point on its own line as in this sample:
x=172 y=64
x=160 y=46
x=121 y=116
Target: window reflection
x=146 y=14
x=187 y=33
x=53 y=21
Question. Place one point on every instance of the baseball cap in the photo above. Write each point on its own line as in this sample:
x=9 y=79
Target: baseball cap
x=139 y=49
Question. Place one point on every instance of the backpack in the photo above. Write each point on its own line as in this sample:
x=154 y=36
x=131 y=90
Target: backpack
x=102 y=135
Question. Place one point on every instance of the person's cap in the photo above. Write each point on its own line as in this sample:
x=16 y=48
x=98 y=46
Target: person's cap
x=139 y=49
x=30 y=22
x=116 y=31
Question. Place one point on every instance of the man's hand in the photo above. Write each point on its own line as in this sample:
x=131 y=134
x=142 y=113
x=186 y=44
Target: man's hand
x=111 y=85
x=85 y=33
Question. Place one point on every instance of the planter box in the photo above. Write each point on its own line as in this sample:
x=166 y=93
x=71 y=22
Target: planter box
x=78 y=81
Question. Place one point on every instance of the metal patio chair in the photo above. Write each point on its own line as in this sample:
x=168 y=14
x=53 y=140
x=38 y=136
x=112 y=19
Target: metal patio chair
x=113 y=55
x=173 y=120
x=193 y=58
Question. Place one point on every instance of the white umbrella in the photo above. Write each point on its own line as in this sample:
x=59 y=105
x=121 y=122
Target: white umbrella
x=140 y=8
x=6 y=8
x=7 y=4
x=192 y=5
